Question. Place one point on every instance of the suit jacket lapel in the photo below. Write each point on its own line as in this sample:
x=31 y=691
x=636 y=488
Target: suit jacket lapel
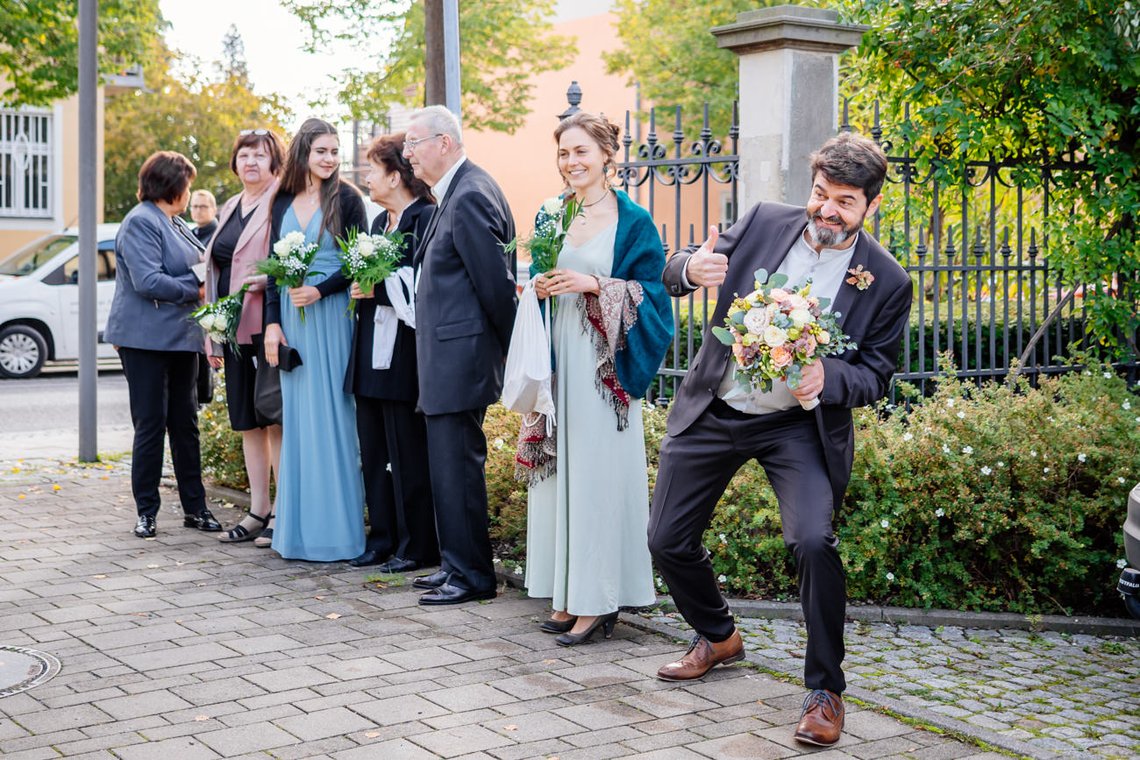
x=421 y=249
x=260 y=216
x=845 y=298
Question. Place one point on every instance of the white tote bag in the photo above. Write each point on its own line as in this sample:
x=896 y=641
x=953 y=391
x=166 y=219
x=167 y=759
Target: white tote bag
x=527 y=380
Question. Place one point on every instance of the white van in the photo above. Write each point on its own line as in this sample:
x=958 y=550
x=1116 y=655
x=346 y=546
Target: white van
x=39 y=301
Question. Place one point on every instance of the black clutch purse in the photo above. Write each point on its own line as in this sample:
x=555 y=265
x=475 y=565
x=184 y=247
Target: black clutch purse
x=288 y=358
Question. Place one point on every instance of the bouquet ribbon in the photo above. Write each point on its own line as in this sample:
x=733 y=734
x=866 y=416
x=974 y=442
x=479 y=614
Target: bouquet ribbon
x=403 y=309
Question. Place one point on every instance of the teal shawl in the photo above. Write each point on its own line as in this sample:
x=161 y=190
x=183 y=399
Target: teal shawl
x=639 y=256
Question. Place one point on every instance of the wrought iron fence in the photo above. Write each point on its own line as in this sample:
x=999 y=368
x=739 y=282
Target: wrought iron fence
x=974 y=247
x=687 y=186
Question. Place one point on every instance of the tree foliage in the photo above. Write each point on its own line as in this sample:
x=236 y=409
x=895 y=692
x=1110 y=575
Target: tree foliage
x=503 y=43
x=676 y=59
x=195 y=116
x=1046 y=83
x=39 y=45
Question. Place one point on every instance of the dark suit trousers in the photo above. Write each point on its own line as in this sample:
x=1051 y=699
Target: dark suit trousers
x=397 y=485
x=163 y=390
x=457 y=454
x=695 y=467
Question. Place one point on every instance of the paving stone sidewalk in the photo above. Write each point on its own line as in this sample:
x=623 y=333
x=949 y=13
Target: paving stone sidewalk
x=182 y=648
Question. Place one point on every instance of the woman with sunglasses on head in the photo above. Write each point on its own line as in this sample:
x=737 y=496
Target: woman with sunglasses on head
x=320 y=495
x=241 y=241
x=382 y=374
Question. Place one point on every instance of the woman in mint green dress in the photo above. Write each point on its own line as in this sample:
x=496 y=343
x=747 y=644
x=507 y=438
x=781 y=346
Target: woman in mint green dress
x=320 y=491
x=587 y=520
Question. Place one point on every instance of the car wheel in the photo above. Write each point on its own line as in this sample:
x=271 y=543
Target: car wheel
x=23 y=351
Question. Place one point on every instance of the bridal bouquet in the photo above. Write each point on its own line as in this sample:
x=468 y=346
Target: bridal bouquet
x=288 y=263
x=220 y=318
x=776 y=331
x=368 y=260
x=550 y=228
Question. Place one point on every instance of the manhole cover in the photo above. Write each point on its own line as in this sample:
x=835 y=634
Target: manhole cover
x=22 y=669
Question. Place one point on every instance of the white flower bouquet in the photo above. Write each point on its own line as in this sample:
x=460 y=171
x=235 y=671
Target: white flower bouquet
x=368 y=260
x=220 y=318
x=289 y=261
x=776 y=331
x=550 y=228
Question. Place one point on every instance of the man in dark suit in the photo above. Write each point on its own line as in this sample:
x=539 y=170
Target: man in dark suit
x=715 y=425
x=465 y=309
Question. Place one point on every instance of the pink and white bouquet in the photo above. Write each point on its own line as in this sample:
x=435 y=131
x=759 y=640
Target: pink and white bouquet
x=289 y=261
x=368 y=260
x=776 y=331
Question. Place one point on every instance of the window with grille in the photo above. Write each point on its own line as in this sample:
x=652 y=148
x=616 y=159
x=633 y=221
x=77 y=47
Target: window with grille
x=25 y=164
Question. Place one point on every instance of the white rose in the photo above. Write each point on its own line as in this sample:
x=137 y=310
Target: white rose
x=796 y=301
x=552 y=206
x=207 y=321
x=800 y=317
x=756 y=320
x=775 y=336
x=221 y=324
x=366 y=247
x=281 y=247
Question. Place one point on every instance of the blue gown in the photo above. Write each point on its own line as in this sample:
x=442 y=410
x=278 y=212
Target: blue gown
x=320 y=490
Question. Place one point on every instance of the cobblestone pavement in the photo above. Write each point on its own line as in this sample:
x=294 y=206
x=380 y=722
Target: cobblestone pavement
x=1038 y=693
x=179 y=648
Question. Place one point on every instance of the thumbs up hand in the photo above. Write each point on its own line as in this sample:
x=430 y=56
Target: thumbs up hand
x=706 y=268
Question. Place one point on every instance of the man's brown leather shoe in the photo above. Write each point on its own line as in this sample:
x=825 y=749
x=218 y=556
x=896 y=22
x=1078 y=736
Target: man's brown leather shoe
x=703 y=656
x=822 y=719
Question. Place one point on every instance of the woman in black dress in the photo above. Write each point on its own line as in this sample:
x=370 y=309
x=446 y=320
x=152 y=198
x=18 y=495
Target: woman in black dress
x=402 y=533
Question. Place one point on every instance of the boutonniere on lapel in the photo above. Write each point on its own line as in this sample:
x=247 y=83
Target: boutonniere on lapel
x=860 y=277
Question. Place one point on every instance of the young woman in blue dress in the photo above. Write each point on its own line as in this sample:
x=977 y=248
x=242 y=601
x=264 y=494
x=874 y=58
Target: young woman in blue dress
x=320 y=497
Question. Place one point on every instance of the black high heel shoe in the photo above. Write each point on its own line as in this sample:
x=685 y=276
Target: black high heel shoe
x=558 y=626
x=605 y=622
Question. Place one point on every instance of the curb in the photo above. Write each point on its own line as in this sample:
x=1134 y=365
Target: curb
x=890 y=704
x=750 y=608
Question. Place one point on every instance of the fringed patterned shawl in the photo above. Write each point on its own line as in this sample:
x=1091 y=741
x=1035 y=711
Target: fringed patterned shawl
x=630 y=324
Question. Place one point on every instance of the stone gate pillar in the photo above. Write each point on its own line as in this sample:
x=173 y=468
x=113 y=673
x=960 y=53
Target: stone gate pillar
x=789 y=94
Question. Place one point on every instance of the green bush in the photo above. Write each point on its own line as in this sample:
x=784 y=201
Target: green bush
x=223 y=462
x=990 y=498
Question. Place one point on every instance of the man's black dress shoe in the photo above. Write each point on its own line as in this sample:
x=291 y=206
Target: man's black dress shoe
x=435 y=580
x=203 y=520
x=399 y=565
x=145 y=527
x=369 y=557
x=448 y=594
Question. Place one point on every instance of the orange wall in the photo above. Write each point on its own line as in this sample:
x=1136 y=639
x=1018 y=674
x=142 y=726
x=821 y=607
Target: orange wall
x=524 y=163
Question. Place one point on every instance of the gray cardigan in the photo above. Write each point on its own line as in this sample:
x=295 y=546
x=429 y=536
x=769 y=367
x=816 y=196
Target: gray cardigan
x=155 y=289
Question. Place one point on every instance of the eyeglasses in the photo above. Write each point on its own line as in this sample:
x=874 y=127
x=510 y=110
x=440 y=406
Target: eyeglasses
x=248 y=132
x=411 y=144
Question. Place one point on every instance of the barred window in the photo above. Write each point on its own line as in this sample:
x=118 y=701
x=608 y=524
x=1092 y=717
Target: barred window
x=26 y=164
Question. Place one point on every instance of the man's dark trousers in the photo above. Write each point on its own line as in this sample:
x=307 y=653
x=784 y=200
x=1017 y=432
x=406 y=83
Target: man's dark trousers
x=695 y=468
x=457 y=456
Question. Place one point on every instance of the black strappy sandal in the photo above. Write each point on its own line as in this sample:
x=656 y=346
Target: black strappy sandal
x=265 y=538
x=239 y=532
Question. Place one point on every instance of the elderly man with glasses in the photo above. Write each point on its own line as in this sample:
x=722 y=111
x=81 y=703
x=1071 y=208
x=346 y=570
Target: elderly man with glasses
x=465 y=309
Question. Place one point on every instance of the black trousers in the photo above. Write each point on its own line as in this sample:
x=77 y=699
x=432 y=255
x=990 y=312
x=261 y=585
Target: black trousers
x=457 y=455
x=695 y=467
x=397 y=483
x=163 y=390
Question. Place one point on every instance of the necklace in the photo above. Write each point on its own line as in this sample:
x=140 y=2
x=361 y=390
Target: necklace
x=584 y=206
x=599 y=200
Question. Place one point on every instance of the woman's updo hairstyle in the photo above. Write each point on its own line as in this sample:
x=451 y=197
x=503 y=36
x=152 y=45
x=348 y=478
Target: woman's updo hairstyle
x=600 y=129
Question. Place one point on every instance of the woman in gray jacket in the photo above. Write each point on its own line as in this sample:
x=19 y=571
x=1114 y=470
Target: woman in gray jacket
x=156 y=288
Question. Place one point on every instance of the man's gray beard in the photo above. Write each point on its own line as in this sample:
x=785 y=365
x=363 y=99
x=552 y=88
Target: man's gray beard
x=825 y=237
